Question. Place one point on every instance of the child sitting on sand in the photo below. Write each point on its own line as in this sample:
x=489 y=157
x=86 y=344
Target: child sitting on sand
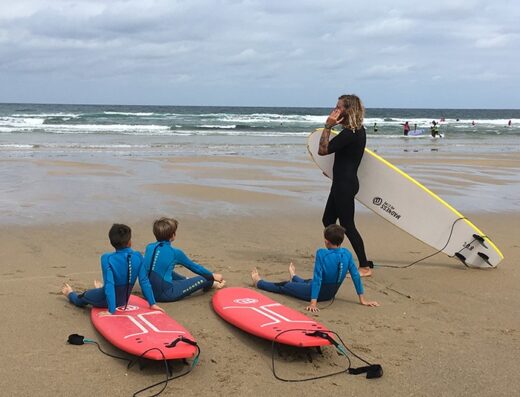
x=160 y=259
x=330 y=269
x=120 y=270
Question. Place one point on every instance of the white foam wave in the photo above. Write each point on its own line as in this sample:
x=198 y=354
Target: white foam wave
x=103 y=128
x=21 y=121
x=16 y=146
x=267 y=118
x=130 y=113
x=218 y=126
x=39 y=115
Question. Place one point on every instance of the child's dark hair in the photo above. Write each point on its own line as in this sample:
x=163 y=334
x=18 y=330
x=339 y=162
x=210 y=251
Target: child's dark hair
x=334 y=234
x=164 y=228
x=119 y=235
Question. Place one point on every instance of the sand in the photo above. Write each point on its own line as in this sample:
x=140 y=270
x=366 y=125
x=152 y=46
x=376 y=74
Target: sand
x=441 y=329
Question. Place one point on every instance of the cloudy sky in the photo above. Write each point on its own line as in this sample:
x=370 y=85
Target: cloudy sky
x=400 y=53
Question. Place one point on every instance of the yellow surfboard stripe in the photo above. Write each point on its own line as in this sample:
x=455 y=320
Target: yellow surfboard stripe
x=433 y=195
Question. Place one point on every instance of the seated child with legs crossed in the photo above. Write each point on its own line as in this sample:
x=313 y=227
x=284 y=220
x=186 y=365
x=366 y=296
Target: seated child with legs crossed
x=160 y=259
x=120 y=271
x=330 y=269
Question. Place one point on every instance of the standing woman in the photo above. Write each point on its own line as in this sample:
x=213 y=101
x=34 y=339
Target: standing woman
x=349 y=147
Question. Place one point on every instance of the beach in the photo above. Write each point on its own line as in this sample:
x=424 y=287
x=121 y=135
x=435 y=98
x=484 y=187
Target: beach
x=441 y=329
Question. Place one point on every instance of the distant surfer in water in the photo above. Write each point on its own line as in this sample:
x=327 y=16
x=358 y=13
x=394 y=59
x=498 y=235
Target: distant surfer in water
x=434 y=129
x=349 y=147
x=406 y=128
x=331 y=266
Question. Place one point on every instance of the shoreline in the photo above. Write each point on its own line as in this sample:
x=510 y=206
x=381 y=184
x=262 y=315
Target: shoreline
x=57 y=190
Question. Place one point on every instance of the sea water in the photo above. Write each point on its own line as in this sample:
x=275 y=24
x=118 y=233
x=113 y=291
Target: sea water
x=47 y=130
x=41 y=143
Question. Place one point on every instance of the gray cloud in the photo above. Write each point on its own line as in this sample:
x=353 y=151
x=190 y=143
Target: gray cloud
x=258 y=52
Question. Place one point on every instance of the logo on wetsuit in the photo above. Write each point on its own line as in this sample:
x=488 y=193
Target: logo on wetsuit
x=385 y=206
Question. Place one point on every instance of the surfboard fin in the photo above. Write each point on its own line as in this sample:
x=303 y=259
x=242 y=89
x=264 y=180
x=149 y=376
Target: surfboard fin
x=485 y=258
x=462 y=258
x=480 y=239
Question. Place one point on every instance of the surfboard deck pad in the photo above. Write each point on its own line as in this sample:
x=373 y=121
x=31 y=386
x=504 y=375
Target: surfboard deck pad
x=139 y=328
x=259 y=315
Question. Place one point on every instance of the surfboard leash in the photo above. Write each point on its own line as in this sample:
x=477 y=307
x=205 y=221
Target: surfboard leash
x=372 y=370
x=75 y=339
x=435 y=253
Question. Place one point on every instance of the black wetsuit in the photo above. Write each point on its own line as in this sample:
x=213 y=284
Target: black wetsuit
x=349 y=147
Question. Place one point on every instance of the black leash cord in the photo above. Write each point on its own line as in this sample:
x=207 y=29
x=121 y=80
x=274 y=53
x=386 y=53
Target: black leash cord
x=168 y=378
x=429 y=256
x=314 y=377
x=131 y=363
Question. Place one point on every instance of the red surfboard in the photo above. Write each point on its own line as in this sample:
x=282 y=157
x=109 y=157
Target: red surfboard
x=261 y=316
x=139 y=328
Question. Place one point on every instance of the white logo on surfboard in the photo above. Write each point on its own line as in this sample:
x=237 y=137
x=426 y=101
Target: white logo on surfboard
x=245 y=301
x=129 y=308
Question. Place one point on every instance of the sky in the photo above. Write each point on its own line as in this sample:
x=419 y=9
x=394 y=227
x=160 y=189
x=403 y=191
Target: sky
x=393 y=54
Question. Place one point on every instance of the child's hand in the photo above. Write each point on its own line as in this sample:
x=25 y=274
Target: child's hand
x=313 y=307
x=104 y=313
x=155 y=307
x=367 y=303
x=218 y=277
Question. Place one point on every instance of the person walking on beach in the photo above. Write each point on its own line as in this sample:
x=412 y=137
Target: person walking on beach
x=406 y=128
x=331 y=266
x=349 y=147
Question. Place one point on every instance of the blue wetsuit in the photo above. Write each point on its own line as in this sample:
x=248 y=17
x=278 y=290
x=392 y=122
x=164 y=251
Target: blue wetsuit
x=120 y=272
x=160 y=259
x=330 y=269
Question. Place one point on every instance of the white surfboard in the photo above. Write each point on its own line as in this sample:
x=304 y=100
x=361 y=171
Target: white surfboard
x=404 y=202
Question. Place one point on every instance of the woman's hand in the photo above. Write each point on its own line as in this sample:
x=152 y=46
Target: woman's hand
x=335 y=118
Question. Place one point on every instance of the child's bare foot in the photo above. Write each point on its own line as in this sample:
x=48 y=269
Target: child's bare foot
x=365 y=271
x=97 y=284
x=218 y=284
x=66 y=289
x=255 y=276
x=292 y=271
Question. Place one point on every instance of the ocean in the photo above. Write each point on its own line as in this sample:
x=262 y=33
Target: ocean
x=85 y=162
x=49 y=130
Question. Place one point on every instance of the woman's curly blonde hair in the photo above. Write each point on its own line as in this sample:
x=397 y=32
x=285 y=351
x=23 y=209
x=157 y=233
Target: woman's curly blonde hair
x=355 y=111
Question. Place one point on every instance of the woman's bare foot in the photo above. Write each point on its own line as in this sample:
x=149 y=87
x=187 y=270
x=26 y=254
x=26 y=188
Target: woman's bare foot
x=218 y=284
x=98 y=284
x=292 y=271
x=365 y=271
x=255 y=276
x=66 y=290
